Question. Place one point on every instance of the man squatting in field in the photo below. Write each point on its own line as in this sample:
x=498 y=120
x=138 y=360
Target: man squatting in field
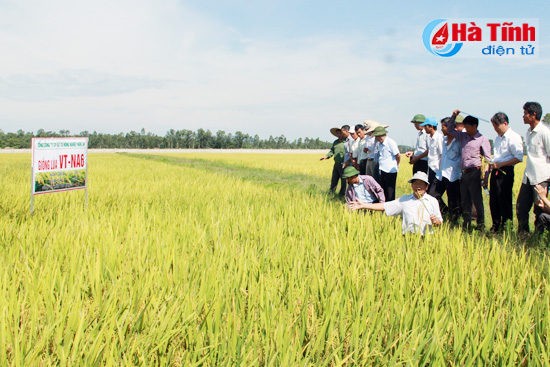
x=419 y=158
x=362 y=188
x=474 y=147
x=337 y=151
x=419 y=210
x=537 y=168
x=508 y=151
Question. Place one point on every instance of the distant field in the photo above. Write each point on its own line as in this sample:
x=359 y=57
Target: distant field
x=165 y=151
x=233 y=259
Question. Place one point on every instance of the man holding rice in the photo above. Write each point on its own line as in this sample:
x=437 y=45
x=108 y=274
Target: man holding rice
x=420 y=211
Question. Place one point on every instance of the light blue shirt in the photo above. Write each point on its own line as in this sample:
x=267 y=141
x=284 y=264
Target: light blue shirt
x=450 y=161
x=362 y=194
x=386 y=155
x=421 y=144
x=371 y=143
x=348 y=144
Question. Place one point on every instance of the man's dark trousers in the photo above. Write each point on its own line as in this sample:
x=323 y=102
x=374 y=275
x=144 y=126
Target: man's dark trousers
x=421 y=166
x=453 y=197
x=363 y=167
x=388 y=181
x=433 y=190
x=470 y=192
x=500 y=201
x=338 y=174
x=525 y=201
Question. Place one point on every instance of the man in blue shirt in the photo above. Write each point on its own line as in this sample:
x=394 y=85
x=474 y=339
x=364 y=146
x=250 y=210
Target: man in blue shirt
x=362 y=187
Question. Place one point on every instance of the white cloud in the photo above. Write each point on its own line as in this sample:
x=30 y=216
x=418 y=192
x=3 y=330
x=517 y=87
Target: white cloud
x=71 y=83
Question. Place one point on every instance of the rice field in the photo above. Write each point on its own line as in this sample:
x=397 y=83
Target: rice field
x=245 y=260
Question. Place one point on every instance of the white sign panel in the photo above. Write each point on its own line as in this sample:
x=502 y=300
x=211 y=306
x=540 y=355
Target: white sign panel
x=59 y=164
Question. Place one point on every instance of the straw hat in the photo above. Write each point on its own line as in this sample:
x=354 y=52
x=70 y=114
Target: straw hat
x=373 y=125
x=335 y=130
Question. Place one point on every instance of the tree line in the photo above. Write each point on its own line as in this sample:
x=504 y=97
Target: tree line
x=173 y=139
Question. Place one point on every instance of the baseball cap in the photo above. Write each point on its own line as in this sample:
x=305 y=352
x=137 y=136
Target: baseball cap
x=429 y=121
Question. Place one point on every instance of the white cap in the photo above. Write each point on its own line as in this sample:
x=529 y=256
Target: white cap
x=419 y=175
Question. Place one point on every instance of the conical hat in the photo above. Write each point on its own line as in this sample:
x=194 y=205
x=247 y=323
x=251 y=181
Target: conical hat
x=335 y=130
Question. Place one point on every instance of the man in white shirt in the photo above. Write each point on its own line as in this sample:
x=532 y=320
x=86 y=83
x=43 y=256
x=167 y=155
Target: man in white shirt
x=435 y=150
x=537 y=169
x=419 y=158
x=508 y=151
x=362 y=152
x=359 y=142
x=419 y=210
x=388 y=161
x=449 y=175
x=371 y=168
x=348 y=142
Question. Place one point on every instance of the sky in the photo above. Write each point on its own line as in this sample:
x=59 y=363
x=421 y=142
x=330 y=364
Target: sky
x=293 y=68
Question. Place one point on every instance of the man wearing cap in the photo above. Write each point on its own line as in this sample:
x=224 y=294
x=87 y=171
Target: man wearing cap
x=474 y=146
x=419 y=210
x=537 y=168
x=337 y=151
x=459 y=123
x=362 y=188
x=371 y=167
x=508 y=151
x=419 y=158
x=388 y=159
x=435 y=150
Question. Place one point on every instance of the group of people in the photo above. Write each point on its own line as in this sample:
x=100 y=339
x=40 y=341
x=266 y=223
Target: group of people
x=448 y=157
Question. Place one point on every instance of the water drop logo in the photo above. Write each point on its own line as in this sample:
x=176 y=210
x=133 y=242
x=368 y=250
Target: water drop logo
x=436 y=39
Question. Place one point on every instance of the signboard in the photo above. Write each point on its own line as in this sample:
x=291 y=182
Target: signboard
x=58 y=164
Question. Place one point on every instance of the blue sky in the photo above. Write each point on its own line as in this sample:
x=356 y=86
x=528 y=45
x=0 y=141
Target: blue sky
x=295 y=68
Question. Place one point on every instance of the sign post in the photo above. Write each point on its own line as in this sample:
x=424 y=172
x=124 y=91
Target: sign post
x=59 y=164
